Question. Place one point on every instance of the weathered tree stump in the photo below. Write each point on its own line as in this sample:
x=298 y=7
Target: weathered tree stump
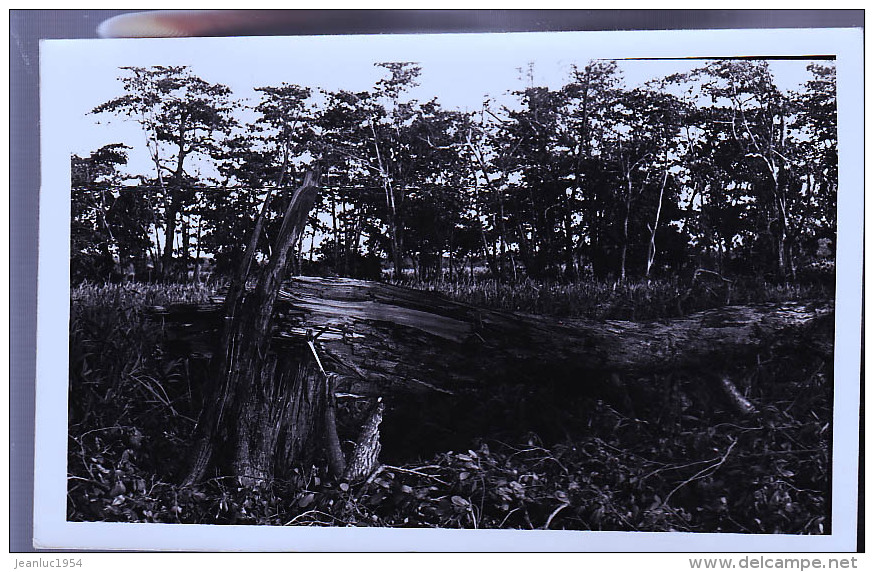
x=264 y=409
x=365 y=456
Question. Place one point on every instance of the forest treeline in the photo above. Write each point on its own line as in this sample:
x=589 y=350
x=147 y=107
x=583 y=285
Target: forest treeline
x=713 y=169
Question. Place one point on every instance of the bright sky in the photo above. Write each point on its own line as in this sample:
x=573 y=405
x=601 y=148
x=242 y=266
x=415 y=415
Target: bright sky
x=460 y=69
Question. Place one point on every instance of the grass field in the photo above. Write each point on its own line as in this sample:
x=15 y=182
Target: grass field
x=641 y=300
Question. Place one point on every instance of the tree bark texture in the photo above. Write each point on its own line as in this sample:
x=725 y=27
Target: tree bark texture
x=260 y=413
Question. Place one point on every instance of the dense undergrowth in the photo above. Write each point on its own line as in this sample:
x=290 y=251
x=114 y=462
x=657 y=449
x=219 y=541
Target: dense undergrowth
x=673 y=455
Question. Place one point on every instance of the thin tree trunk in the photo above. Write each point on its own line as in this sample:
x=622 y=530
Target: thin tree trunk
x=624 y=251
x=570 y=265
x=781 y=236
x=496 y=267
x=651 y=252
x=153 y=153
x=397 y=256
x=169 y=236
x=334 y=228
x=186 y=245
x=175 y=206
x=451 y=257
x=197 y=250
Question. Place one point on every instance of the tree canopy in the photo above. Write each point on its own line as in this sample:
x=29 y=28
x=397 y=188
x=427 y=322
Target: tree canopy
x=716 y=168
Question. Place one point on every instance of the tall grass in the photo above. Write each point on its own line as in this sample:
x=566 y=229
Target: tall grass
x=115 y=351
x=135 y=295
x=640 y=300
x=129 y=401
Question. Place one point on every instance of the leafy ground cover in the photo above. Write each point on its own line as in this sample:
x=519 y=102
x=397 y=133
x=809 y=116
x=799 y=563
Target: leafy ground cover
x=672 y=456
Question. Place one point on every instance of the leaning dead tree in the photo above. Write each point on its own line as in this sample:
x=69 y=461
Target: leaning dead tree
x=368 y=340
x=261 y=407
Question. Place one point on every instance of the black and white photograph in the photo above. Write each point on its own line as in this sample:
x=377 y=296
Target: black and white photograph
x=577 y=282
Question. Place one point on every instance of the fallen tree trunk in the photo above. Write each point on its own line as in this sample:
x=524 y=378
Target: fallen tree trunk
x=382 y=339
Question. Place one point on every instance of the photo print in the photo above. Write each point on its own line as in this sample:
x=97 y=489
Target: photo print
x=451 y=292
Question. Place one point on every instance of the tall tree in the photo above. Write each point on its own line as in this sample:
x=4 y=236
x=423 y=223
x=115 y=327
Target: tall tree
x=643 y=126
x=817 y=143
x=391 y=145
x=353 y=199
x=489 y=156
x=437 y=202
x=257 y=165
x=181 y=116
x=588 y=99
x=108 y=218
x=538 y=197
x=754 y=117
